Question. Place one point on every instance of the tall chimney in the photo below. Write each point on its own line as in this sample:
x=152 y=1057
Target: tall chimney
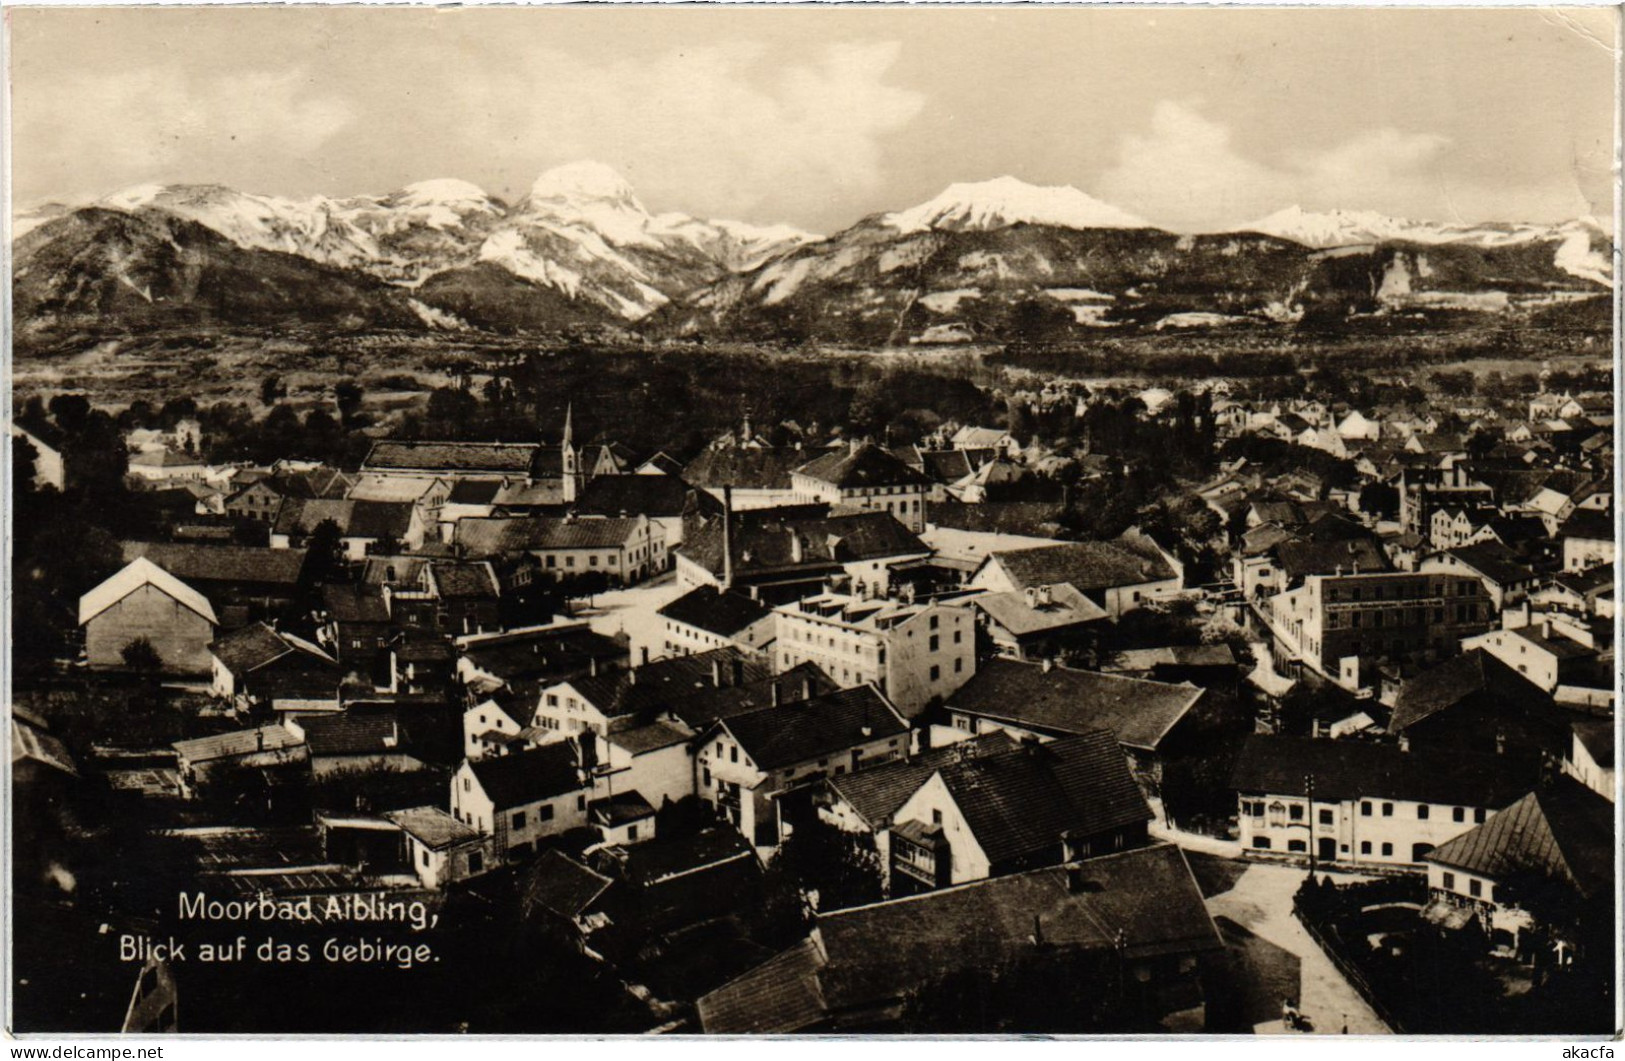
x=716 y=672
x=774 y=691
x=739 y=671
x=644 y=656
x=727 y=539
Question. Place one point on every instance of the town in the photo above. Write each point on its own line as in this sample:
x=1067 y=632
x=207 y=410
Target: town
x=1072 y=706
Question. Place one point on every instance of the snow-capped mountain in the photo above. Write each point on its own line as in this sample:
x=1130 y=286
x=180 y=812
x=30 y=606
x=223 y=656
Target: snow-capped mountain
x=1007 y=201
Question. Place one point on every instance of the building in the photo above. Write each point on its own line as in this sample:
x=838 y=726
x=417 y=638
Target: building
x=985 y=438
x=458 y=461
x=143 y=602
x=664 y=499
x=258 y=664
x=622 y=699
x=523 y=798
x=705 y=618
x=915 y=653
x=1039 y=804
x=527 y=659
x=440 y=849
x=1361 y=803
x=206 y=761
x=747 y=761
x=867 y=801
x=1126 y=931
x=1336 y=624
x=1476 y=702
x=1542 y=655
x=238 y=579
x=1119 y=576
x=865 y=477
x=783 y=559
x=1149 y=719
x=50 y=447
x=1588 y=540
x=496 y=726
x=364 y=526
x=1506 y=578
x=1039 y=623
x=1590 y=760
x=757 y=477
x=623 y=550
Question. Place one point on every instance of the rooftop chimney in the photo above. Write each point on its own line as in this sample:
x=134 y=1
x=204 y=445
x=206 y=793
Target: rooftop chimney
x=259 y=738
x=592 y=666
x=644 y=654
x=716 y=672
x=1404 y=743
x=738 y=671
x=773 y=691
x=1048 y=664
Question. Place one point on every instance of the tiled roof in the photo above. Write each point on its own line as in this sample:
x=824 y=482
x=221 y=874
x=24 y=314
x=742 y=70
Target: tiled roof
x=620 y=808
x=1025 y=801
x=252 y=646
x=867 y=466
x=1562 y=831
x=134 y=575
x=562 y=886
x=752 y=469
x=1136 y=659
x=1342 y=769
x=1449 y=683
x=1067 y=607
x=709 y=609
x=514 y=458
x=835 y=722
x=1494 y=561
x=221 y=563
x=875 y=793
x=238 y=742
x=42 y=431
x=540 y=653
x=464 y=581
x=706 y=704
x=1036 y=519
x=1588 y=524
x=1301 y=559
x=780 y=996
x=432 y=827
x=350 y=734
x=653 y=861
x=489 y=536
x=355 y=519
x=355 y=602
x=767 y=545
x=1061 y=700
x=528 y=776
x=640 y=740
x=657 y=685
x=473 y=492
x=634 y=495
x=1088 y=566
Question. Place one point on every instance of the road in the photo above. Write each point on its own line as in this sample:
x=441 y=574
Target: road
x=1261 y=901
x=632 y=611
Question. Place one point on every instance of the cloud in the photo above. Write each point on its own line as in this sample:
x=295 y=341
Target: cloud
x=1186 y=172
x=715 y=129
x=138 y=123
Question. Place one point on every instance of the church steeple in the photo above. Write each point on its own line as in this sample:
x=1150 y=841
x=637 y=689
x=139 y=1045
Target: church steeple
x=570 y=459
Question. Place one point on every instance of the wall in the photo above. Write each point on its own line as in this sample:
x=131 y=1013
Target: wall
x=967 y=861
x=180 y=635
x=910 y=657
x=1359 y=836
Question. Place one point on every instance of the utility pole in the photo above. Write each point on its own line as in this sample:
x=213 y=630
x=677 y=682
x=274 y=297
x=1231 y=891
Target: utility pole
x=1309 y=791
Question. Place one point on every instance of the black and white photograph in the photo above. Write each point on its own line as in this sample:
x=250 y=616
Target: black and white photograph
x=809 y=521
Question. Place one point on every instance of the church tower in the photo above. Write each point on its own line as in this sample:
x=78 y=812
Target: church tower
x=571 y=460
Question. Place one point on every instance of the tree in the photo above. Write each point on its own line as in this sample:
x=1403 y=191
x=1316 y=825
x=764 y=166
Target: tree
x=347 y=397
x=70 y=411
x=271 y=389
x=140 y=656
x=1380 y=499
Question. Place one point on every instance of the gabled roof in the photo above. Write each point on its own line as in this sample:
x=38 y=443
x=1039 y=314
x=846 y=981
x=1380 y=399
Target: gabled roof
x=42 y=431
x=769 y=545
x=464 y=581
x=473 y=492
x=633 y=495
x=706 y=704
x=751 y=469
x=134 y=575
x=1473 y=673
x=835 y=722
x=349 y=733
x=709 y=609
x=664 y=463
x=249 y=648
x=1562 y=831
x=1025 y=801
x=355 y=602
x=534 y=653
x=514 y=458
x=1060 y=700
x=667 y=857
x=780 y=996
x=1596 y=735
x=562 y=886
x=657 y=685
x=1302 y=559
x=528 y=776
x=1346 y=769
x=238 y=742
x=1036 y=519
x=875 y=793
x=1088 y=566
x=493 y=536
x=222 y=563
x=1588 y=524
x=355 y=519
x=1066 y=607
x=866 y=466
x=1493 y=561
x=432 y=827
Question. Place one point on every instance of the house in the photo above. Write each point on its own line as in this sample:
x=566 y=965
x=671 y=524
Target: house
x=1581 y=594
x=1134 y=919
x=1479 y=703
x=140 y=602
x=1590 y=760
x=1149 y=719
x=1356 y=426
x=867 y=801
x=459 y=461
x=1362 y=803
x=1542 y=655
x=364 y=526
x=527 y=659
x=748 y=760
x=983 y=438
x=464 y=597
x=441 y=849
x=1038 y=623
x=653 y=762
x=50 y=448
x=915 y=653
x=259 y=664
x=205 y=761
x=622 y=818
x=662 y=463
x=1560 y=835
x=521 y=799
x=565 y=895
x=257 y=580
x=356 y=622
x=1119 y=576
x=865 y=477
x=623 y=550
x=1334 y=624
x=621 y=699
x=166 y=466
x=1588 y=540
x=1211 y=667
x=1507 y=578
x=354 y=742
x=663 y=885
x=705 y=618
x=664 y=499
x=757 y=477
x=786 y=559
x=496 y=726
x=1038 y=804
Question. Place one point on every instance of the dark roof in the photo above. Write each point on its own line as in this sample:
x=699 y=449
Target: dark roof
x=464 y=581
x=1061 y=700
x=473 y=491
x=1276 y=765
x=762 y=545
x=621 y=808
x=942 y=465
x=221 y=563
x=1494 y=561
x=316 y=483
x=1562 y=831
x=1085 y=565
x=1473 y=673
x=709 y=609
x=1517 y=529
x=794 y=733
x=1589 y=524
x=541 y=653
x=653 y=861
x=706 y=704
x=350 y=734
x=1597 y=735
x=870 y=958
x=355 y=519
x=665 y=463
x=866 y=466
x=875 y=793
x=1025 y=801
x=1301 y=559
x=432 y=827
x=654 y=686
x=640 y=740
x=1037 y=519
x=633 y=495
x=514 y=458
x=562 y=886
x=355 y=602
x=528 y=776
x=42 y=431
x=755 y=469
x=252 y=646
x=492 y=536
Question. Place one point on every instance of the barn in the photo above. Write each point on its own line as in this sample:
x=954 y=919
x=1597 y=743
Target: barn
x=145 y=601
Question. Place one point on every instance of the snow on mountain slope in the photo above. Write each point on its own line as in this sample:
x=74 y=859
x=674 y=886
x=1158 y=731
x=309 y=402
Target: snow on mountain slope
x=1007 y=201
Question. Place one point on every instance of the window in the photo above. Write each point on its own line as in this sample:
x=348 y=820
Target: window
x=933 y=624
x=1326 y=817
x=1387 y=810
x=957 y=637
x=1475 y=888
x=631 y=832
x=544 y=813
x=1365 y=847
x=1422 y=812
x=705 y=776
x=1458 y=814
x=936 y=672
x=1297 y=845
x=959 y=664
x=592 y=560
x=1478 y=815
x=1387 y=850
x=1295 y=812
x=935 y=643
x=581 y=803
x=1450 y=880
x=569 y=561
x=936 y=817
x=467 y=787
x=1277 y=814
x=519 y=819
x=1365 y=807
x=425 y=858
x=733 y=753
x=1261 y=842
x=719 y=749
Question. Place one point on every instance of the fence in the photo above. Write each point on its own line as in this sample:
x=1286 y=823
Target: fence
x=1332 y=948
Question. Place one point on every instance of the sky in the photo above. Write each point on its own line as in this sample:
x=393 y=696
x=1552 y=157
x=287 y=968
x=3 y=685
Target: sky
x=1192 y=118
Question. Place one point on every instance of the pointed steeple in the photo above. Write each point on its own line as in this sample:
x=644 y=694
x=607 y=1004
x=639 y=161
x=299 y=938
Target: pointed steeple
x=569 y=458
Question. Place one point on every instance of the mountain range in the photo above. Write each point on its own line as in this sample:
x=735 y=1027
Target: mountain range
x=979 y=261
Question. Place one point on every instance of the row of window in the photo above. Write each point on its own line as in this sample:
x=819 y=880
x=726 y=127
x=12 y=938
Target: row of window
x=1280 y=813
x=1476 y=888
